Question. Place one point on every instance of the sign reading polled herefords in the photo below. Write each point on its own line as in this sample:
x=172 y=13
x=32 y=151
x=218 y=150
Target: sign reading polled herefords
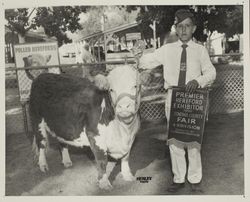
x=31 y=60
x=187 y=115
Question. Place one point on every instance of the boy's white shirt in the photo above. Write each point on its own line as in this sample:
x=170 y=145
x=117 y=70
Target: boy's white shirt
x=199 y=66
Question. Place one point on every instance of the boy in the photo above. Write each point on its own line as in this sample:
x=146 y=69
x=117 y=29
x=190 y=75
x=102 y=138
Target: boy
x=185 y=63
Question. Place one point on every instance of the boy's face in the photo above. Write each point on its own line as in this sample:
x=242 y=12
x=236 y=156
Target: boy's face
x=185 y=30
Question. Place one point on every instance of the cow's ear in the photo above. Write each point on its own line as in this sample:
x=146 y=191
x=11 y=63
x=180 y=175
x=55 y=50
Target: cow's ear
x=145 y=78
x=48 y=57
x=101 y=82
x=108 y=113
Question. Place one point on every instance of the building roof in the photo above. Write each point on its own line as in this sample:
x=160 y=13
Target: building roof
x=111 y=30
x=39 y=35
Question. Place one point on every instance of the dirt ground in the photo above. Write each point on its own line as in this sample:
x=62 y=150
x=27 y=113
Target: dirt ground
x=222 y=158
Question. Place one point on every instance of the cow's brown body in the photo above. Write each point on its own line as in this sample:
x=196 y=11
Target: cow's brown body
x=66 y=105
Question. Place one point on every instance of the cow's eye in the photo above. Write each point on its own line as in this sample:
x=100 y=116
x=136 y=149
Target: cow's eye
x=111 y=90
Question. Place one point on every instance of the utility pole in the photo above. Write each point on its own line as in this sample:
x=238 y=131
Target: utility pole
x=104 y=17
x=153 y=27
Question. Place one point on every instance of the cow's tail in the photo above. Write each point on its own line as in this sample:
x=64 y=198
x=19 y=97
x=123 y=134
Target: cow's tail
x=45 y=142
x=35 y=150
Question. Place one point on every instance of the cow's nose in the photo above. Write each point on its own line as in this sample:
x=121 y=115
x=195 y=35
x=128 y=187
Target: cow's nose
x=123 y=106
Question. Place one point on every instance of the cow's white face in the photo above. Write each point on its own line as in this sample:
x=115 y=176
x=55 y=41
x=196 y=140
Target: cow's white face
x=124 y=92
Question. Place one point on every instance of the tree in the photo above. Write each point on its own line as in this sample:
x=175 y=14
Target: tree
x=18 y=21
x=55 y=21
x=117 y=15
x=114 y=16
x=224 y=19
x=93 y=22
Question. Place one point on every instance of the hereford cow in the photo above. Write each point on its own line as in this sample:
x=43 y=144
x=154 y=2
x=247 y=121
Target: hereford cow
x=77 y=113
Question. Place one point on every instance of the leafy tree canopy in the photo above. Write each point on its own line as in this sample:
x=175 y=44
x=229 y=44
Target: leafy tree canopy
x=224 y=19
x=114 y=16
x=55 y=20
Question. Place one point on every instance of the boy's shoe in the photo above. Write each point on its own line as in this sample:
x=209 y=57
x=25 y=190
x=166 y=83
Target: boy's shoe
x=175 y=187
x=196 y=187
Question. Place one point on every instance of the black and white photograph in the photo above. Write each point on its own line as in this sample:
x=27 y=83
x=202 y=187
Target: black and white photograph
x=125 y=99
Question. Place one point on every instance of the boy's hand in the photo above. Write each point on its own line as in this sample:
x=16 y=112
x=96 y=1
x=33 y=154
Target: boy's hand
x=192 y=86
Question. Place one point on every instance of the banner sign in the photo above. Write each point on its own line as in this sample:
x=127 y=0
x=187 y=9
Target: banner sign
x=188 y=114
x=34 y=55
x=133 y=36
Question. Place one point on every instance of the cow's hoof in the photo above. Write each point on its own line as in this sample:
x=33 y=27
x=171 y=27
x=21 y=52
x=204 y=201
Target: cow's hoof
x=44 y=168
x=104 y=183
x=128 y=176
x=67 y=164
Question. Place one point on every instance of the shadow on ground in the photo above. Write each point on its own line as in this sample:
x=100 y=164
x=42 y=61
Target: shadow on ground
x=222 y=158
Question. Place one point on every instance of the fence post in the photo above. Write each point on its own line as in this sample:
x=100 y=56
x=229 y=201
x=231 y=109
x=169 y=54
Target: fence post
x=26 y=129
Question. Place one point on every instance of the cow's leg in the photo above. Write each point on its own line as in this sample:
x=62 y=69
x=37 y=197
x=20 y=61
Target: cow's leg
x=41 y=141
x=101 y=161
x=66 y=161
x=125 y=170
x=42 y=162
x=100 y=152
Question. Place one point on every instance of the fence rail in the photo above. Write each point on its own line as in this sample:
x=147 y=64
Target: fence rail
x=226 y=55
x=226 y=96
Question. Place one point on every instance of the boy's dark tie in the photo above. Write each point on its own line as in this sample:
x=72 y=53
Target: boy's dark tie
x=183 y=66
